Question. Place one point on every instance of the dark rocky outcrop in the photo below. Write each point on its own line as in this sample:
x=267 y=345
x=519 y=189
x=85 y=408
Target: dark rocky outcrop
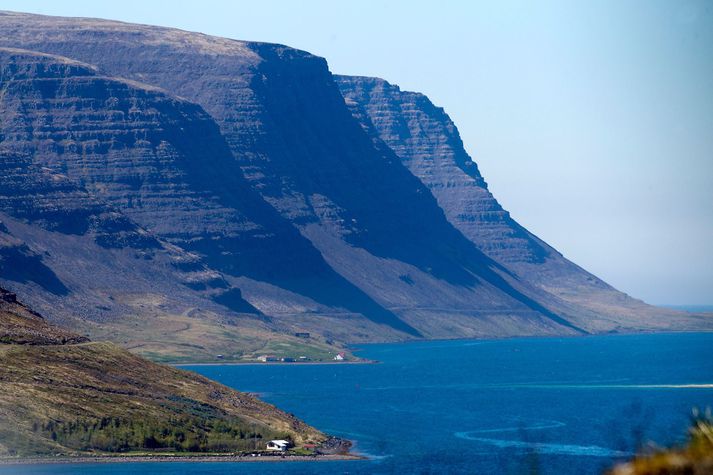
x=334 y=445
x=20 y=325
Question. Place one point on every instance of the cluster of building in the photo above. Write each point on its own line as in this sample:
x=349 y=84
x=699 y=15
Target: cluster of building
x=286 y=359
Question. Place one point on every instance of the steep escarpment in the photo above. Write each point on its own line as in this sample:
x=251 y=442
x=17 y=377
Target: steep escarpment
x=60 y=394
x=263 y=174
x=104 y=211
x=428 y=143
x=163 y=163
x=285 y=122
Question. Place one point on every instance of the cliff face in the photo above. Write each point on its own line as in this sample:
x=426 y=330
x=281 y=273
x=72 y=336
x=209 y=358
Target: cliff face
x=75 y=149
x=162 y=163
x=279 y=198
x=428 y=143
x=286 y=124
x=105 y=211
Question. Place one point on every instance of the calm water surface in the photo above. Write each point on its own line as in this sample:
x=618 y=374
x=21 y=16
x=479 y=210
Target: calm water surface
x=541 y=405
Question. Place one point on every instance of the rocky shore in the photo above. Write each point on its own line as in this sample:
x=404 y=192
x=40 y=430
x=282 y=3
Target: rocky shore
x=232 y=458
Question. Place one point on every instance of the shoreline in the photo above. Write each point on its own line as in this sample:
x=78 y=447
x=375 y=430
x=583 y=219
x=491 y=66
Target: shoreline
x=359 y=346
x=190 y=458
x=274 y=363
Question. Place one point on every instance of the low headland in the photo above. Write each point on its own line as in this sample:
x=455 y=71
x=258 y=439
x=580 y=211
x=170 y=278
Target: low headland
x=64 y=398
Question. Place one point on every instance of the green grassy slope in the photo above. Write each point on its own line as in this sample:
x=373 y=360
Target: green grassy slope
x=97 y=397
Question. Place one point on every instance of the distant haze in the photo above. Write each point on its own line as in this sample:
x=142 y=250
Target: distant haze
x=591 y=121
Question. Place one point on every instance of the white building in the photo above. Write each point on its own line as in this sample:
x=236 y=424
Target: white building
x=279 y=445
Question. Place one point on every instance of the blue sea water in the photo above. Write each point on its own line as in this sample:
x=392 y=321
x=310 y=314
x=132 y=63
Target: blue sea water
x=537 y=405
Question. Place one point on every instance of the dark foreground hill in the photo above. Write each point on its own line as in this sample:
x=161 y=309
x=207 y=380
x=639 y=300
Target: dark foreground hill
x=60 y=394
x=188 y=195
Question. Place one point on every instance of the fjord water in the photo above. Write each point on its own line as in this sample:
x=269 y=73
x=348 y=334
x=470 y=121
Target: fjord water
x=538 y=405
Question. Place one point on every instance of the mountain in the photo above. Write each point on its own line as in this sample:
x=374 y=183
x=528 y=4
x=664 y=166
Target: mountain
x=98 y=191
x=227 y=184
x=429 y=145
x=61 y=394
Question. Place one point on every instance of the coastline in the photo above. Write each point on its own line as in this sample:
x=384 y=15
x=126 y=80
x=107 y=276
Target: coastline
x=191 y=458
x=274 y=363
x=358 y=347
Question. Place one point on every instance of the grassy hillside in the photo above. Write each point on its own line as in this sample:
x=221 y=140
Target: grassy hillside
x=97 y=397
x=197 y=336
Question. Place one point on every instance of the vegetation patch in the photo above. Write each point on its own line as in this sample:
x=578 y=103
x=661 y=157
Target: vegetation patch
x=99 y=398
x=177 y=434
x=695 y=458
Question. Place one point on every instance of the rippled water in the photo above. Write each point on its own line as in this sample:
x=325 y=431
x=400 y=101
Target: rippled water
x=550 y=405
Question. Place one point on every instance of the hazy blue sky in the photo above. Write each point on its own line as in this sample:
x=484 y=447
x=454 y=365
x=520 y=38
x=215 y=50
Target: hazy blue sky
x=591 y=121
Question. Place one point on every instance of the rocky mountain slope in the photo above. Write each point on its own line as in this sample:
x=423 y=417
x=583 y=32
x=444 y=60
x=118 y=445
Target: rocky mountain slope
x=223 y=184
x=428 y=143
x=103 y=173
x=60 y=394
x=20 y=325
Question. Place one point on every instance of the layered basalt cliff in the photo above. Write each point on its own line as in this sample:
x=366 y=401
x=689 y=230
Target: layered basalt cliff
x=428 y=143
x=163 y=163
x=102 y=216
x=357 y=221
x=76 y=149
